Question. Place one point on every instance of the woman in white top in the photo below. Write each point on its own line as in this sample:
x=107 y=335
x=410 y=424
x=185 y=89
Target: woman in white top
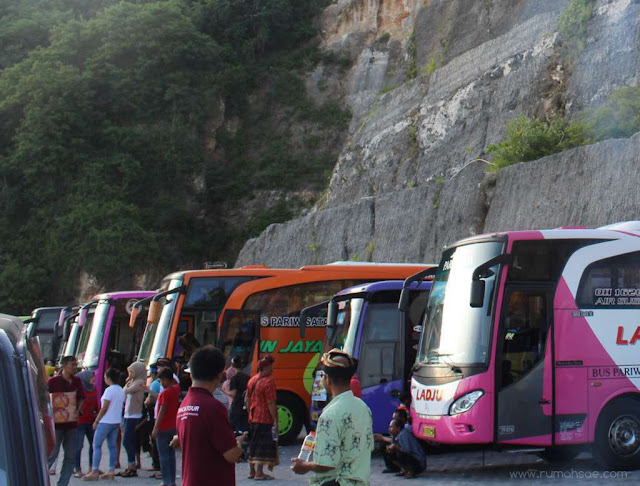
x=107 y=425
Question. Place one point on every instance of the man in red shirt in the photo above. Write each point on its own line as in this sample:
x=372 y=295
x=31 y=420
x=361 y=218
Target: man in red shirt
x=65 y=389
x=206 y=437
x=165 y=427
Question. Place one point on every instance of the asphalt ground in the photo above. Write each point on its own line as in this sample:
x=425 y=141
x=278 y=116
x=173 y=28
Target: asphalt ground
x=456 y=467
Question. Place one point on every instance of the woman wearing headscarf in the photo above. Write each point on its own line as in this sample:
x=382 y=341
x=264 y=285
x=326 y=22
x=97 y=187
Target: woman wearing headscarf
x=86 y=417
x=134 y=390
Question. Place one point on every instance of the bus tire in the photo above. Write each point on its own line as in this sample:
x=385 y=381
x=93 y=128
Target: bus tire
x=559 y=454
x=617 y=437
x=291 y=417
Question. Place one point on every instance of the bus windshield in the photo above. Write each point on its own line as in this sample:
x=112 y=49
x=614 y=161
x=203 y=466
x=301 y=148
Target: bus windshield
x=343 y=335
x=91 y=358
x=454 y=332
x=82 y=336
x=156 y=337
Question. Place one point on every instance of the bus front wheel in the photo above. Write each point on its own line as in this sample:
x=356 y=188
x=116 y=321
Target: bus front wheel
x=291 y=413
x=617 y=440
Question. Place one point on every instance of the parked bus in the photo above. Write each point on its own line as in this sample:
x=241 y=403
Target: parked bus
x=44 y=324
x=261 y=316
x=199 y=297
x=365 y=322
x=105 y=337
x=27 y=433
x=530 y=339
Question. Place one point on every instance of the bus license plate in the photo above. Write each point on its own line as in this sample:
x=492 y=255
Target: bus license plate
x=429 y=431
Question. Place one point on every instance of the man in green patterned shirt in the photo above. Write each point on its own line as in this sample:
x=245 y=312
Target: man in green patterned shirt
x=344 y=437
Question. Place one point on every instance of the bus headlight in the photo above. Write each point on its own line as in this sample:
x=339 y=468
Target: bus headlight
x=465 y=402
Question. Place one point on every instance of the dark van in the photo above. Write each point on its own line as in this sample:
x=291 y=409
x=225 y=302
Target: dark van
x=27 y=432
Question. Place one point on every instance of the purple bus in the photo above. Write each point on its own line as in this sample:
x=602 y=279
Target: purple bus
x=365 y=322
x=106 y=339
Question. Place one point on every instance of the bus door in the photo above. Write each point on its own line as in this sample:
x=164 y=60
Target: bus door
x=381 y=357
x=522 y=342
x=239 y=334
x=387 y=351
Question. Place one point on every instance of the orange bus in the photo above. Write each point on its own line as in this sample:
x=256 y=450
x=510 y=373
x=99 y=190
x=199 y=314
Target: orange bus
x=261 y=316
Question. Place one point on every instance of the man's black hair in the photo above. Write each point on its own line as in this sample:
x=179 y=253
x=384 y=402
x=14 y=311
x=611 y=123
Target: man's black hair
x=403 y=414
x=113 y=374
x=398 y=423
x=67 y=359
x=206 y=363
x=166 y=374
x=338 y=375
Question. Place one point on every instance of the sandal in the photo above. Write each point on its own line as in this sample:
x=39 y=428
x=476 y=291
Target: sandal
x=109 y=476
x=266 y=477
x=129 y=473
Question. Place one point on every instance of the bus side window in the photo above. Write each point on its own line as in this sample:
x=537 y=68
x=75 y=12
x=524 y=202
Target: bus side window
x=610 y=283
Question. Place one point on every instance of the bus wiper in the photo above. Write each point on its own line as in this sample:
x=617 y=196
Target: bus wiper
x=435 y=354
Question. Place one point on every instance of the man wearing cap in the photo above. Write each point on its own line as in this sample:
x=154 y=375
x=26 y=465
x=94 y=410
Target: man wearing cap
x=344 y=438
x=263 y=421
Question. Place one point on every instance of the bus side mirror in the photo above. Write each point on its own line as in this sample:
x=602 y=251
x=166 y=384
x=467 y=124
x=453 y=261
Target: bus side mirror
x=304 y=314
x=332 y=313
x=135 y=312
x=404 y=299
x=83 y=316
x=154 y=312
x=477 y=293
x=66 y=330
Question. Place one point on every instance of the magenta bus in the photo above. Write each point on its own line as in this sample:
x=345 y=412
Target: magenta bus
x=105 y=337
x=531 y=338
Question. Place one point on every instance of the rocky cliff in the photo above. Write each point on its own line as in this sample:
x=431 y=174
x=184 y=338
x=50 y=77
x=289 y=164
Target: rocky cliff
x=434 y=83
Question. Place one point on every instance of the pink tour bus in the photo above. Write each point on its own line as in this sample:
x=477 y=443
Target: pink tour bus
x=105 y=337
x=532 y=338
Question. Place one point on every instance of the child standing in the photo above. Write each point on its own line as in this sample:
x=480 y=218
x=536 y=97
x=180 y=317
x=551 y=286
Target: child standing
x=107 y=426
x=165 y=427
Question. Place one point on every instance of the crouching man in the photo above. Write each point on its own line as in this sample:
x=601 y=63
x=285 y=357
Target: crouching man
x=404 y=451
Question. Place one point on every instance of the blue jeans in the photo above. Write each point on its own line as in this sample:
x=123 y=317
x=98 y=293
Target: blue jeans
x=84 y=430
x=167 y=456
x=68 y=439
x=129 y=439
x=110 y=433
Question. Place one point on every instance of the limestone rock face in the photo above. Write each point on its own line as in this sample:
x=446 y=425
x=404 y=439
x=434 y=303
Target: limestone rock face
x=430 y=96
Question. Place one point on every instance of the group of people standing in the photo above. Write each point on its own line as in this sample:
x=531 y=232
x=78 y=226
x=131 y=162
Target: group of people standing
x=214 y=438
x=126 y=410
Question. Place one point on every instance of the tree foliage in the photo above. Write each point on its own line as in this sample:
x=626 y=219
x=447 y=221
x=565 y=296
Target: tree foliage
x=104 y=113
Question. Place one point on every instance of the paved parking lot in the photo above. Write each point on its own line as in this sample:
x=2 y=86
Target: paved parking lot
x=463 y=468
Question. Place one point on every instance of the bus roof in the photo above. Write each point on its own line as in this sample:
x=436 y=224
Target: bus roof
x=125 y=294
x=609 y=232
x=265 y=271
x=38 y=310
x=320 y=273
x=383 y=286
x=247 y=270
